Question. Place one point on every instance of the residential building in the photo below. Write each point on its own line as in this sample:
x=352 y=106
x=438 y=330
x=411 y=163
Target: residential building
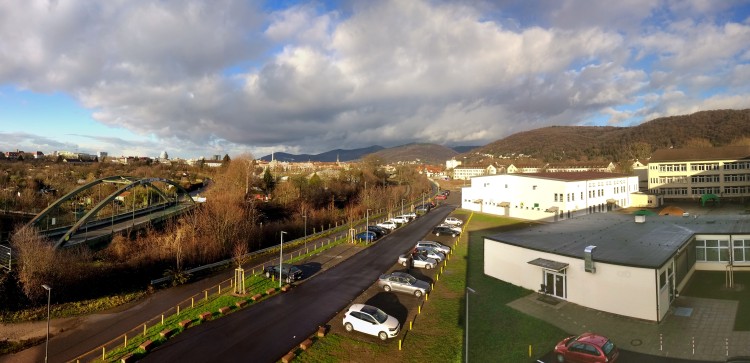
x=468 y=172
x=629 y=265
x=452 y=163
x=549 y=196
x=690 y=173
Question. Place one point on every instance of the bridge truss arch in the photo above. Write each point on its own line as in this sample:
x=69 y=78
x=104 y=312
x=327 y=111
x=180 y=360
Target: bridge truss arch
x=128 y=182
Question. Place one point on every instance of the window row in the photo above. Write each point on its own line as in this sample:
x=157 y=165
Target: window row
x=718 y=251
x=705 y=166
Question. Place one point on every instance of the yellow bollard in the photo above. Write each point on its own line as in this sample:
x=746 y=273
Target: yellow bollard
x=419 y=309
x=399 y=344
x=126 y=341
x=162 y=319
x=219 y=293
x=178 y=309
x=205 y=292
x=410 y=325
x=432 y=286
x=426 y=296
x=437 y=278
x=103 y=354
x=144 y=330
x=529 y=350
x=192 y=302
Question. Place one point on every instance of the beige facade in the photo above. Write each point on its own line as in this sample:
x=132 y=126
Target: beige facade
x=691 y=173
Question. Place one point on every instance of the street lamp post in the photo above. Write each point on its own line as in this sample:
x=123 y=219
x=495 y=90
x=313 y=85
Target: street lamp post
x=49 y=297
x=305 y=217
x=402 y=206
x=468 y=290
x=367 y=221
x=281 y=256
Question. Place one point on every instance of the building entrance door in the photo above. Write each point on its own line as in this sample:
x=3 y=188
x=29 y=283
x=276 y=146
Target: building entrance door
x=555 y=283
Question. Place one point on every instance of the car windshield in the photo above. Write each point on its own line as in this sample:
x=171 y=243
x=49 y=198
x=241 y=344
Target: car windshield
x=410 y=279
x=376 y=313
x=608 y=347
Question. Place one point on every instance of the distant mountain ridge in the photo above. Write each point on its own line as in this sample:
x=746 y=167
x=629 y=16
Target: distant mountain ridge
x=564 y=143
x=328 y=156
x=416 y=152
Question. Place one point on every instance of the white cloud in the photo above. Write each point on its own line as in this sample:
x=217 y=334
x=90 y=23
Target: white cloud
x=224 y=74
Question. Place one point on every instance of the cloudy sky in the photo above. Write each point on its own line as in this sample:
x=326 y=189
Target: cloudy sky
x=198 y=78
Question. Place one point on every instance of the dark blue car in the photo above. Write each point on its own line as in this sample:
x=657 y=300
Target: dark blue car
x=366 y=236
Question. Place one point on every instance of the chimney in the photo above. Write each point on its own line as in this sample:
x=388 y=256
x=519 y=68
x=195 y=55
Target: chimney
x=588 y=255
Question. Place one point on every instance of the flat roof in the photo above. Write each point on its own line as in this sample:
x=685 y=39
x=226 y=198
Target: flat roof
x=575 y=176
x=701 y=154
x=619 y=239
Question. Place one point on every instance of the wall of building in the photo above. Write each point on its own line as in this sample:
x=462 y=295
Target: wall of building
x=545 y=199
x=627 y=291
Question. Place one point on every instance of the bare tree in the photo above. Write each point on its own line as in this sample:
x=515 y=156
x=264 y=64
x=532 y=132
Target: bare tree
x=36 y=260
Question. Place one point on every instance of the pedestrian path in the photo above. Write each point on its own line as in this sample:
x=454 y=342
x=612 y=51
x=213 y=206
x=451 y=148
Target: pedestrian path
x=695 y=328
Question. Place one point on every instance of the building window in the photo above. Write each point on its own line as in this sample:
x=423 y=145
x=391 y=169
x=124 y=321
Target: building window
x=581 y=195
x=662 y=279
x=741 y=251
x=712 y=250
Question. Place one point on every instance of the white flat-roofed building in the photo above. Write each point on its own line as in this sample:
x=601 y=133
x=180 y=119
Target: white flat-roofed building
x=549 y=196
x=623 y=264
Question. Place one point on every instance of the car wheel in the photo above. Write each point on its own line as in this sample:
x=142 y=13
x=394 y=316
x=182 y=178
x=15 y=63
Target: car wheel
x=383 y=336
x=405 y=264
x=454 y=235
x=428 y=266
x=418 y=293
x=437 y=233
x=348 y=327
x=560 y=358
x=387 y=288
x=268 y=274
x=288 y=280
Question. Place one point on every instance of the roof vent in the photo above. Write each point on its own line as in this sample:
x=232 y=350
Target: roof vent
x=640 y=219
x=588 y=255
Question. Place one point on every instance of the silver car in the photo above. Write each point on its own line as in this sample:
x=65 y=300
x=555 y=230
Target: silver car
x=403 y=282
x=430 y=253
x=438 y=246
x=417 y=260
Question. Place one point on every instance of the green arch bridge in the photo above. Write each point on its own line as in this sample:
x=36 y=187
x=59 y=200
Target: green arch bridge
x=95 y=211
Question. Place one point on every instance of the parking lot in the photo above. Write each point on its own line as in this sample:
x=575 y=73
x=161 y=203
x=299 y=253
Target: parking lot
x=403 y=306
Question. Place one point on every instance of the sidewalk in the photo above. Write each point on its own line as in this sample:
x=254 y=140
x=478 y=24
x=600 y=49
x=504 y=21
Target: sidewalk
x=695 y=328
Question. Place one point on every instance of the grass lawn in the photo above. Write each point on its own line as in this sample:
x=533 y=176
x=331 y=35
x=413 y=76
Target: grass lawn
x=497 y=333
x=711 y=284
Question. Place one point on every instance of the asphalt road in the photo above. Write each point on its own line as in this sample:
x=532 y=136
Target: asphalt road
x=267 y=331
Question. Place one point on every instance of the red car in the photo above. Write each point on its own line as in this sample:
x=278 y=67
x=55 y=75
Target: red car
x=440 y=196
x=586 y=348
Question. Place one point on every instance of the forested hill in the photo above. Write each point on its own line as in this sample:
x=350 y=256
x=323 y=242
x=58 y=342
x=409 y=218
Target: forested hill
x=427 y=153
x=558 y=143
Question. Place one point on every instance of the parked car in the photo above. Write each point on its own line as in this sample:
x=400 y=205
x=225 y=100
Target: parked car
x=371 y=320
x=380 y=231
x=403 y=282
x=400 y=220
x=445 y=230
x=421 y=210
x=430 y=253
x=452 y=227
x=389 y=225
x=289 y=273
x=446 y=192
x=440 y=247
x=586 y=348
x=366 y=236
x=406 y=217
x=441 y=197
x=453 y=221
x=416 y=260
x=411 y=215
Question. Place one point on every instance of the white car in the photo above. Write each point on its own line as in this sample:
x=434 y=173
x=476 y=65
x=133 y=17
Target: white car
x=453 y=221
x=400 y=219
x=412 y=216
x=390 y=225
x=430 y=252
x=438 y=246
x=371 y=320
x=417 y=260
